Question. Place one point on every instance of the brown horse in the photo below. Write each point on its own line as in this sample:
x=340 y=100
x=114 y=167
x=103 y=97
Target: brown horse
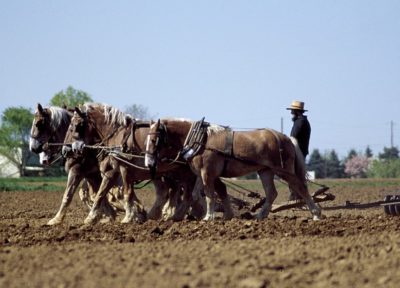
x=49 y=126
x=226 y=153
x=48 y=129
x=105 y=129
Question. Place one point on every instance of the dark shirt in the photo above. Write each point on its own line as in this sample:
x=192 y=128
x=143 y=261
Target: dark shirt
x=301 y=130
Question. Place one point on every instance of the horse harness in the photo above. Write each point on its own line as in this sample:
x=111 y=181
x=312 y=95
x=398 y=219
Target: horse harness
x=129 y=144
x=195 y=139
x=228 y=151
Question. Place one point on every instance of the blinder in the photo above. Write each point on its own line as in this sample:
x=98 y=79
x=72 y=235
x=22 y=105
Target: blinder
x=161 y=137
x=79 y=129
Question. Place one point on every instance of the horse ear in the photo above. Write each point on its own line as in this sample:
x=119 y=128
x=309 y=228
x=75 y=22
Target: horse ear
x=77 y=110
x=64 y=106
x=158 y=122
x=40 y=108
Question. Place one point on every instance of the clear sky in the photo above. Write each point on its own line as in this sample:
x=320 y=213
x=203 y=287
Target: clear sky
x=237 y=63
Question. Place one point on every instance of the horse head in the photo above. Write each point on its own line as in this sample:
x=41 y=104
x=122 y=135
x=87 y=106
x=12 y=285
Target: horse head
x=93 y=124
x=48 y=127
x=76 y=132
x=41 y=130
x=156 y=137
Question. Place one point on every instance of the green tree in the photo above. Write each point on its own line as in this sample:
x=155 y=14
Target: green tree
x=389 y=153
x=334 y=168
x=14 y=136
x=326 y=166
x=316 y=163
x=384 y=169
x=368 y=152
x=352 y=153
x=70 y=97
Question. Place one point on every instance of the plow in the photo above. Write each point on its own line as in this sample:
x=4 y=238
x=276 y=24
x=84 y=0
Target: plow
x=320 y=195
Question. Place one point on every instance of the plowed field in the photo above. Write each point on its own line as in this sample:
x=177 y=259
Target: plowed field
x=357 y=245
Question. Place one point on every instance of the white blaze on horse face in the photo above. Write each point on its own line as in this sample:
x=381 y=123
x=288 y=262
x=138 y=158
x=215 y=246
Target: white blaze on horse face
x=44 y=158
x=33 y=144
x=148 y=158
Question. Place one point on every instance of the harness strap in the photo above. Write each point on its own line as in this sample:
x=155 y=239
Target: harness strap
x=279 y=144
x=229 y=143
x=228 y=150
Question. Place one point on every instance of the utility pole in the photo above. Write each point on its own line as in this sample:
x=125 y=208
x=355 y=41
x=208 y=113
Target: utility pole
x=282 y=125
x=391 y=134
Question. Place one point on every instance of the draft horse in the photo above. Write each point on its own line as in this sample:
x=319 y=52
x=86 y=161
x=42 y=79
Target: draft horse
x=48 y=129
x=227 y=153
x=120 y=138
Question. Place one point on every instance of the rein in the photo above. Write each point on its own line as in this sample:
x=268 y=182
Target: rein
x=115 y=151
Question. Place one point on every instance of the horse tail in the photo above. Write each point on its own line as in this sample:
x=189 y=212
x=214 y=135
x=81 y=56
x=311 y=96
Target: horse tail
x=300 y=165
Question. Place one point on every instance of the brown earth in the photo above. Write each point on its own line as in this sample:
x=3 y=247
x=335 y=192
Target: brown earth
x=355 y=246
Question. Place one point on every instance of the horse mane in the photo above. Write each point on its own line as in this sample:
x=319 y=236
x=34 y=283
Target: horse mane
x=58 y=117
x=215 y=128
x=112 y=115
x=176 y=119
x=211 y=129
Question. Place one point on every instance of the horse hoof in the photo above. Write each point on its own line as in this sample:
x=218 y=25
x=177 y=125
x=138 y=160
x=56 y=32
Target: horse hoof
x=208 y=218
x=318 y=217
x=89 y=221
x=54 y=221
x=107 y=220
x=126 y=220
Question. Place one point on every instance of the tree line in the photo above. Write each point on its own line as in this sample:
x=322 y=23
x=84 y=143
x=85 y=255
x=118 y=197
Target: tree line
x=355 y=164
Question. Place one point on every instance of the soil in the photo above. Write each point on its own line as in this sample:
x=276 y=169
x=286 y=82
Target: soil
x=356 y=245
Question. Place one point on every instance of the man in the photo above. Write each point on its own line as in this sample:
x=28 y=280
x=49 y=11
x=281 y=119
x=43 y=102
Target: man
x=301 y=130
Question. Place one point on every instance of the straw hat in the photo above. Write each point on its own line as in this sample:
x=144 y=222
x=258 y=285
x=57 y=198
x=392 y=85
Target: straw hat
x=297 y=105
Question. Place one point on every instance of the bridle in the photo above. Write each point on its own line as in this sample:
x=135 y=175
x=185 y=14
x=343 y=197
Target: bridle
x=160 y=139
x=85 y=124
x=42 y=124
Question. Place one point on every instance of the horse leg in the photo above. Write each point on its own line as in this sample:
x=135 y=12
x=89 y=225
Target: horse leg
x=84 y=194
x=109 y=178
x=186 y=187
x=116 y=196
x=191 y=199
x=173 y=199
x=199 y=206
x=209 y=190
x=220 y=187
x=267 y=180
x=173 y=203
x=133 y=208
x=74 y=178
x=109 y=213
x=301 y=188
x=161 y=198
